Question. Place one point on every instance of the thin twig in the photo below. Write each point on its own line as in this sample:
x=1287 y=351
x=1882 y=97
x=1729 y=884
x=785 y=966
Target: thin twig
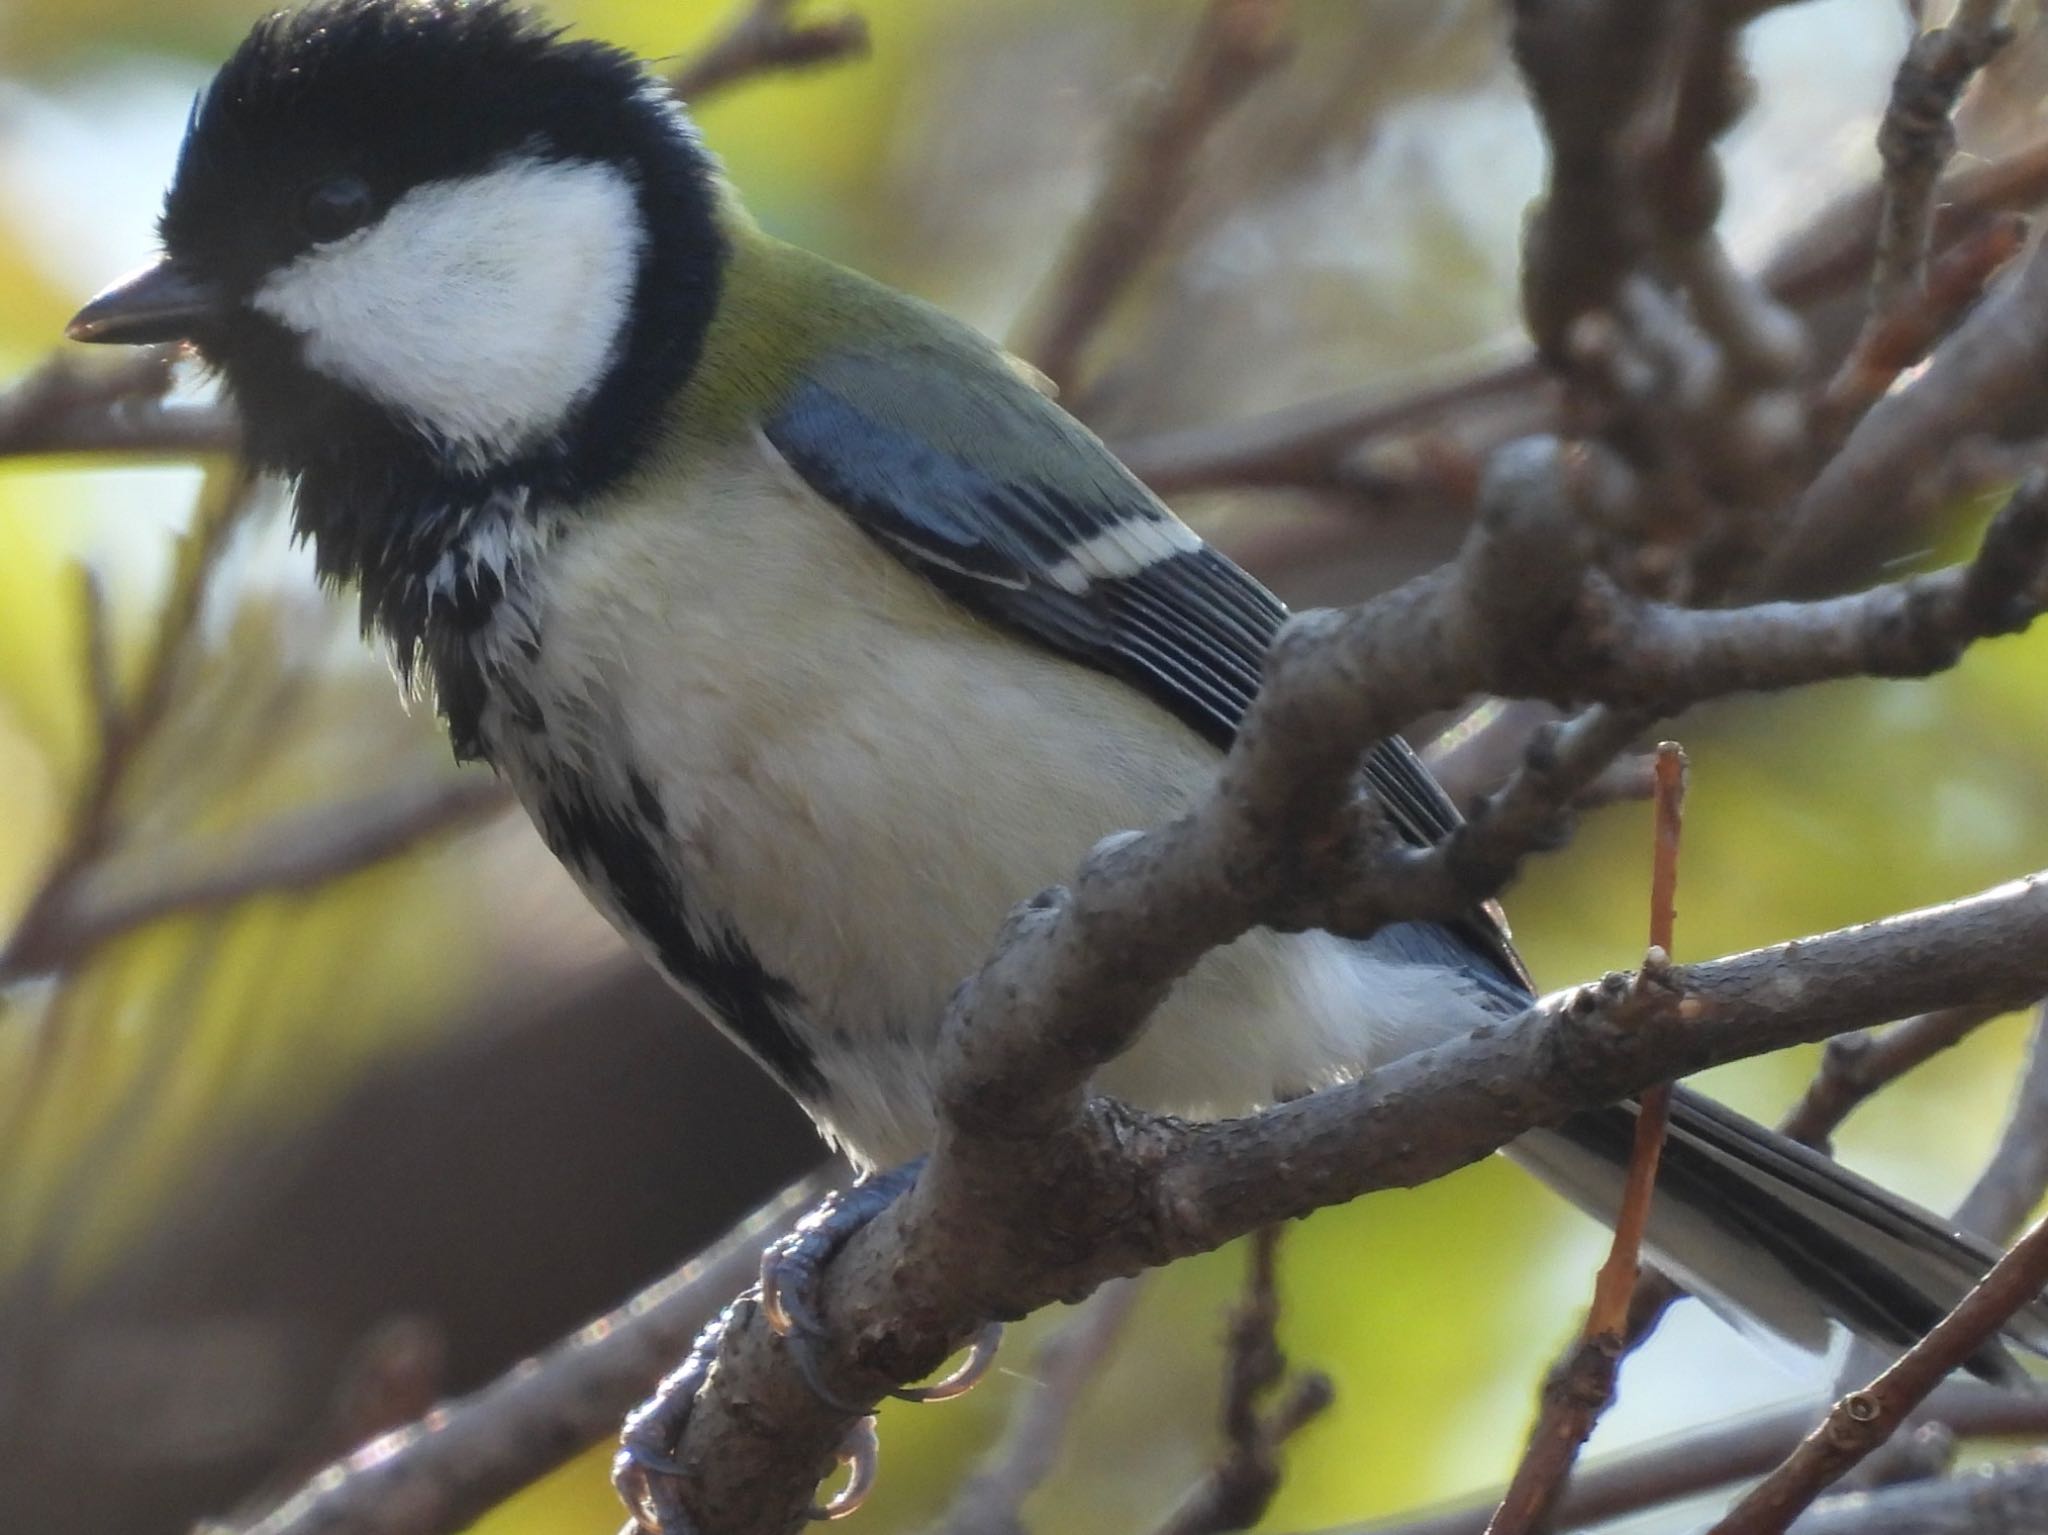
x=297 y=852
x=764 y=39
x=990 y=1501
x=1854 y=1067
x=1851 y=1073
x=1307 y=444
x=1917 y=138
x=1863 y=1420
x=1581 y=1386
x=1699 y=1460
x=443 y=1472
x=1237 y=1490
x=1859 y=504
x=1894 y=341
x=2013 y=1181
x=1235 y=45
x=129 y=725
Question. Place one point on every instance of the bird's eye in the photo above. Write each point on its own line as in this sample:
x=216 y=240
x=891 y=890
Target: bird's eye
x=335 y=207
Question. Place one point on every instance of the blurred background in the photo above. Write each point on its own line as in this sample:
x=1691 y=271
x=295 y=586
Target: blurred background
x=322 y=1094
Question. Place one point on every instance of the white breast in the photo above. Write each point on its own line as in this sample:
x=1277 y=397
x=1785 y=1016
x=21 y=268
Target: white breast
x=862 y=783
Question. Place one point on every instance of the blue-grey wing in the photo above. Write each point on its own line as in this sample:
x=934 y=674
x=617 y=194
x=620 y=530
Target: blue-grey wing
x=1023 y=517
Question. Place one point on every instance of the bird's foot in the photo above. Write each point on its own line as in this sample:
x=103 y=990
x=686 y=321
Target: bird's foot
x=646 y=1476
x=792 y=1267
x=645 y=1472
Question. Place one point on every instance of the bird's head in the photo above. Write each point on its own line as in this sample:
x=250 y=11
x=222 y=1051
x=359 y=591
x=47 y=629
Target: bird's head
x=433 y=237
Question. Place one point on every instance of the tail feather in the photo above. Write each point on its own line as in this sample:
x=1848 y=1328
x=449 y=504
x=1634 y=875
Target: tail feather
x=1769 y=1232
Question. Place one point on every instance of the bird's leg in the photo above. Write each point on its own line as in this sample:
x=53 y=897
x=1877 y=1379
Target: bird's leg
x=645 y=1474
x=792 y=1267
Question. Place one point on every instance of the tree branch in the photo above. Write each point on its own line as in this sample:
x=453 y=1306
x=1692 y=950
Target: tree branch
x=1855 y=1067
x=2012 y=1182
x=297 y=852
x=1150 y=170
x=1994 y=360
x=991 y=1500
x=764 y=39
x=1698 y=1461
x=1865 y=1419
x=1238 y=1489
x=443 y=1473
x=1917 y=139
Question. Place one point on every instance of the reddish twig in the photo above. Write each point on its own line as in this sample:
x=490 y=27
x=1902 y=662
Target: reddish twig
x=1863 y=1420
x=1907 y=330
x=1236 y=44
x=1581 y=1385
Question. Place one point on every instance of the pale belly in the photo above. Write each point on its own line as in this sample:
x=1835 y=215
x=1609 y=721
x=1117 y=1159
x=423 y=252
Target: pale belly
x=858 y=784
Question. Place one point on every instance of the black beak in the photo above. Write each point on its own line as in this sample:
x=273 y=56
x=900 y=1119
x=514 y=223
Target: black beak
x=158 y=303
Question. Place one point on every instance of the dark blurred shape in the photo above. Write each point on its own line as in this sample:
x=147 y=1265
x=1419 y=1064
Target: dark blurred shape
x=456 y=1212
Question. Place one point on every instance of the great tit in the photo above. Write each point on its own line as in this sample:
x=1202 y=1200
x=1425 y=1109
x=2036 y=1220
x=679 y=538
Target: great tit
x=810 y=632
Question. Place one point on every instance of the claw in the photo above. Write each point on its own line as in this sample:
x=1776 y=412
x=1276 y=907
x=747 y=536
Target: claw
x=860 y=1452
x=644 y=1472
x=792 y=1267
x=981 y=1354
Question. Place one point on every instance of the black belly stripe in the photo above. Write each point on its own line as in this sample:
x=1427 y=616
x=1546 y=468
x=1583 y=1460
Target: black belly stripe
x=620 y=845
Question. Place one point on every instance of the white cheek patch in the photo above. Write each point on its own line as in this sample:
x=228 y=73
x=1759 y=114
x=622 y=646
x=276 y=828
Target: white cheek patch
x=484 y=308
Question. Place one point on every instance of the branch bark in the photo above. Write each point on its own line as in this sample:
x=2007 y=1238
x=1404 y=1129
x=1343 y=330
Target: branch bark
x=1078 y=971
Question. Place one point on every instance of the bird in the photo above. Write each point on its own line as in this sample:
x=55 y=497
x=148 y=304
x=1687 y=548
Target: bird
x=809 y=629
